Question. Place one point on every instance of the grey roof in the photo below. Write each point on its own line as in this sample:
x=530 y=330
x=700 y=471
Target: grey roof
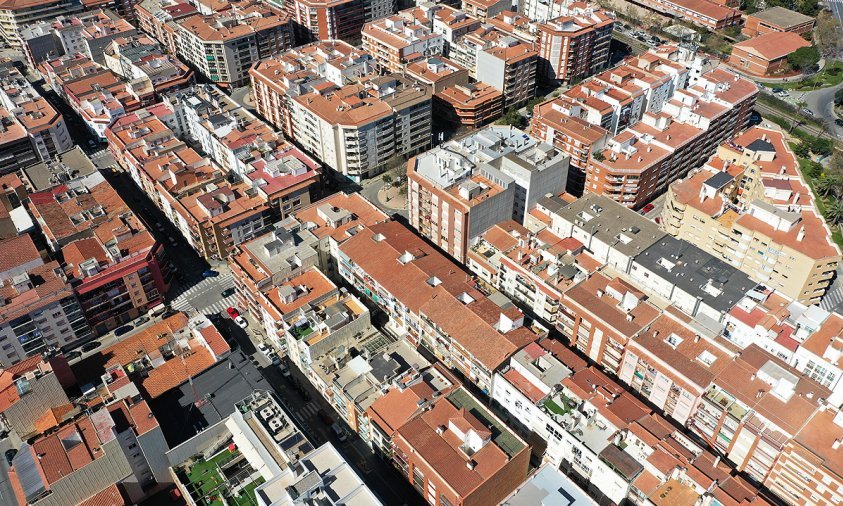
x=622 y=462
x=548 y=486
x=694 y=269
x=607 y=220
x=71 y=164
x=761 y=145
x=27 y=469
x=218 y=389
x=782 y=17
x=719 y=180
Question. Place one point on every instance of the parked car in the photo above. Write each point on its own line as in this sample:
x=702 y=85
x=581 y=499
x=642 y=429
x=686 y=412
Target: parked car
x=285 y=371
x=10 y=455
x=241 y=322
x=838 y=122
x=778 y=90
x=159 y=226
x=807 y=111
x=123 y=330
x=210 y=273
x=90 y=346
x=173 y=241
x=228 y=292
x=646 y=209
x=233 y=313
x=141 y=320
x=339 y=432
x=73 y=355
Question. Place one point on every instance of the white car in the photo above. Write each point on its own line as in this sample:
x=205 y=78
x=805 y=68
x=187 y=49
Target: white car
x=241 y=322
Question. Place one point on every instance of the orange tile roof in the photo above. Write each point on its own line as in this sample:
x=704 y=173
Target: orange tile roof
x=773 y=45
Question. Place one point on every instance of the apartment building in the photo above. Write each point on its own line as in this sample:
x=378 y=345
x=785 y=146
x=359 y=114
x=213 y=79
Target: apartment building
x=14 y=218
x=400 y=39
x=516 y=25
x=14 y=15
x=96 y=93
x=159 y=17
x=115 y=449
x=753 y=408
x=276 y=81
x=141 y=61
x=117 y=269
x=458 y=452
x=16 y=150
x=558 y=123
x=34 y=393
x=750 y=207
x=438 y=73
x=461 y=188
x=574 y=45
x=542 y=11
x=778 y=19
x=358 y=130
x=240 y=143
x=86 y=33
x=532 y=266
x=469 y=106
x=703 y=13
x=433 y=303
x=45 y=127
x=485 y=9
x=163 y=355
x=40 y=309
x=324 y=20
x=308 y=239
x=453 y=24
x=510 y=66
x=808 y=469
x=641 y=161
x=766 y=55
x=818 y=355
x=224 y=44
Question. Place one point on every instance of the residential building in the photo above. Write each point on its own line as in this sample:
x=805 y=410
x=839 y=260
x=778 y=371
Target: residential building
x=276 y=81
x=141 y=61
x=808 y=470
x=433 y=303
x=641 y=161
x=324 y=20
x=516 y=25
x=279 y=463
x=541 y=12
x=34 y=395
x=469 y=106
x=753 y=408
x=532 y=266
x=14 y=15
x=118 y=448
x=461 y=188
x=158 y=18
x=485 y=9
x=96 y=93
x=551 y=485
x=459 y=451
x=575 y=45
x=308 y=239
x=778 y=19
x=452 y=24
x=40 y=309
x=224 y=44
x=766 y=55
x=693 y=280
x=359 y=129
x=44 y=125
x=437 y=72
x=16 y=150
x=86 y=33
x=510 y=66
x=751 y=208
x=817 y=353
x=14 y=218
x=703 y=13
x=117 y=268
x=400 y=39
x=163 y=355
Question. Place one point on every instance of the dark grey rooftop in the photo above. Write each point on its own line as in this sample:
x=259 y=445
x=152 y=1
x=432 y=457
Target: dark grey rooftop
x=761 y=145
x=694 y=269
x=622 y=462
x=719 y=180
x=217 y=390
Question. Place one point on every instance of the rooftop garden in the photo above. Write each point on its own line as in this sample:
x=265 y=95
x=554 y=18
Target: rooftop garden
x=211 y=482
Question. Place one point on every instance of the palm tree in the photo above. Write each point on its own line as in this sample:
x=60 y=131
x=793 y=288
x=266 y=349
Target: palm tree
x=834 y=212
x=825 y=185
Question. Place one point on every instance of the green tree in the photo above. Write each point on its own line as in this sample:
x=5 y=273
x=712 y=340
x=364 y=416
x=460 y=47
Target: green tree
x=820 y=146
x=804 y=58
x=802 y=150
x=834 y=212
x=512 y=118
x=826 y=186
x=813 y=170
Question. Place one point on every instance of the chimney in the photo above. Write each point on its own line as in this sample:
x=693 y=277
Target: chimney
x=836 y=444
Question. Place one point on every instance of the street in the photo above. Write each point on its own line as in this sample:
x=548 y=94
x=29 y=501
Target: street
x=821 y=103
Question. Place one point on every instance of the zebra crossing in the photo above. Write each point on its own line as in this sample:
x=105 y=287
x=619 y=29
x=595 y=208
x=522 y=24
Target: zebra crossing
x=308 y=410
x=204 y=296
x=832 y=299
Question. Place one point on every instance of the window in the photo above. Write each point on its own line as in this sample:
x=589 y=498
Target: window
x=418 y=480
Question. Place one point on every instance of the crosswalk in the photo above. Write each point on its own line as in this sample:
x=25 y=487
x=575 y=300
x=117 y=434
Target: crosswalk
x=186 y=298
x=832 y=299
x=308 y=410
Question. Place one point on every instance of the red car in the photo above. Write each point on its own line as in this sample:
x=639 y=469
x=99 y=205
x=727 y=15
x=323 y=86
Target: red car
x=646 y=209
x=232 y=313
